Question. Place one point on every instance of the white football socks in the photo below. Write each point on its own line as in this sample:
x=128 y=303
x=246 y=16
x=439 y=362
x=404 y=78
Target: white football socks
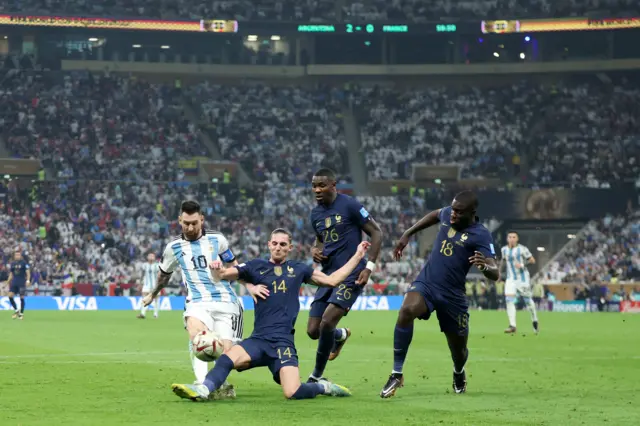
x=511 y=313
x=200 y=368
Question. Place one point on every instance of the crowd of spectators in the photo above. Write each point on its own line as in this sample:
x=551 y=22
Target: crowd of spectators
x=591 y=138
x=96 y=126
x=113 y=143
x=321 y=10
x=481 y=130
x=607 y=251
x=279 y=134
x=99 y=232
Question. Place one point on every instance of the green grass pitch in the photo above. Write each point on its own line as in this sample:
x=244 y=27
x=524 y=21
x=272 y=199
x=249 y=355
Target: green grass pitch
x=108 y=368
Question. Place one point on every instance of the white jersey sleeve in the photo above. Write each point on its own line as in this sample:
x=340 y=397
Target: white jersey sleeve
x=526 y=254
x=169 y=262
x=224 y=251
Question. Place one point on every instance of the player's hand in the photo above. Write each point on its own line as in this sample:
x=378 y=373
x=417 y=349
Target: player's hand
x=146 y=301
x=318 y=257
x=362 y=248
x=257 y=291
x=363 y=278
x=400 y=246
x=518 y=265
x=216 y=265
x=478 y=260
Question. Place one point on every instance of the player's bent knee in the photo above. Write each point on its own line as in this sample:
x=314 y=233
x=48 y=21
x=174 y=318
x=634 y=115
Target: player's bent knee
x=239 y=356
x=313 y=328
x=290 y=381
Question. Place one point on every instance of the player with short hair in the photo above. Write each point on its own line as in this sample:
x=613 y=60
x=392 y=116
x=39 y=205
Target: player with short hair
x=461 y=242
x=211 y=304
x=516 y=257
x=150 y=272
x=271 y=344
x=338 y=222
x=19 y=279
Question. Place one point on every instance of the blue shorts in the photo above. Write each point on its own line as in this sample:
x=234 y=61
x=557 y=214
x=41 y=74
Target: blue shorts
x=344 y=295
x=18 y=288
x=452 y=311
x=272 y=354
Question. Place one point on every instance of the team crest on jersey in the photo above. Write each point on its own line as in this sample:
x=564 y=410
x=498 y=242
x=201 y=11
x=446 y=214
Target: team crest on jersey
x=327 y=222
x=451 y=233
x=338 y=218
x=277 y=270
x=291 y=272
x=463 y=237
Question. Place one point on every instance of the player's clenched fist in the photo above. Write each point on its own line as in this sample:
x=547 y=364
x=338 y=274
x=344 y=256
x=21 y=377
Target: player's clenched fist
x=362 y=248
x=216 y=265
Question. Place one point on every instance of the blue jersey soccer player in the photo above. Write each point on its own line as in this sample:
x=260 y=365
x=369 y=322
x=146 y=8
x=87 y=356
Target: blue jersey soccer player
x=277 y=286
x=19 y=280
x=440 y=286
x=338 y=222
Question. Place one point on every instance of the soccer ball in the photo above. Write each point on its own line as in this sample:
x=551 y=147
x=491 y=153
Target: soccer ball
x=207 y=346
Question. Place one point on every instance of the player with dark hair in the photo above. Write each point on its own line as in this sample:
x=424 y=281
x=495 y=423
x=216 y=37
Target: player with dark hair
x=271 y=344
x=440 y=286
x=19 y=280
x=516 y=257
x=211 y=304
x=338 y=222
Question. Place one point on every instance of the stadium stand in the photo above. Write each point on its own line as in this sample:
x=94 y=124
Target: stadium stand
x=278 y=134
x=113 y=142
x=322 y=10
x=78 y=123
x=606 y=252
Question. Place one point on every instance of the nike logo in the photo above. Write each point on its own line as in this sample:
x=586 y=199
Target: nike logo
x=263 y=272
x=412 y=288
x=283 y=361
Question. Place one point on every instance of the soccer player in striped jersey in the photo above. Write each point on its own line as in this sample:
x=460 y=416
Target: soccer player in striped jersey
x=211 y=304
x=149 y=274
x=516 y=257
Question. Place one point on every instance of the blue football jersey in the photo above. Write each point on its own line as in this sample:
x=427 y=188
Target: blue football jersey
x=448 y=264
x=339 y=226
x=275 y=316
x=19 y=270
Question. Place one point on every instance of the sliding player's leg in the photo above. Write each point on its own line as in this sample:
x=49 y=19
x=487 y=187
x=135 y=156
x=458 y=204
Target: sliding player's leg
x=236 y=358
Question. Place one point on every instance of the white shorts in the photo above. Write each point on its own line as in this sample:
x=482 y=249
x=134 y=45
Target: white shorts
x=223 y=318
x=147 y=289
x=523 y=288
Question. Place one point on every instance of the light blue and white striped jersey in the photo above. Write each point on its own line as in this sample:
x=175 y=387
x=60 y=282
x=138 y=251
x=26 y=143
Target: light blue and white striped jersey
x=518 y=254
x=193 y=258
x=149 y=274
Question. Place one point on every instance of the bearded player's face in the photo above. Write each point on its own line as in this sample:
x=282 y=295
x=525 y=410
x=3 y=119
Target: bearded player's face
x=191 y=225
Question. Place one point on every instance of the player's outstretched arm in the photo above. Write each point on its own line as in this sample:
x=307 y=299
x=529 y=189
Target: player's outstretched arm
x=323 y=280
x=430 y=219
x=222 y=273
